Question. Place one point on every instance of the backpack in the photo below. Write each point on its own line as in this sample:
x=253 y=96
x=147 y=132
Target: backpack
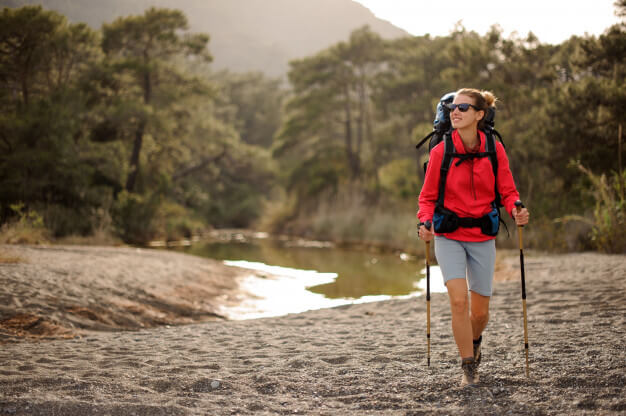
x=445 y=220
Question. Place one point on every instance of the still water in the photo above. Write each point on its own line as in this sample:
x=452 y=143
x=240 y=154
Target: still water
x=290 y=276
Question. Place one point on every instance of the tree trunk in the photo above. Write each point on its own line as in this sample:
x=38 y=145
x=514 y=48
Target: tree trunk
x=147 y=84
x=134 y=157
x=25 y=89
x=353 y=159
x=359 y=121
x=198 y=166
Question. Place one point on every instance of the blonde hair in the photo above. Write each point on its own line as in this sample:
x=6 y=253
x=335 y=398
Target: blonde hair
x=482 y=99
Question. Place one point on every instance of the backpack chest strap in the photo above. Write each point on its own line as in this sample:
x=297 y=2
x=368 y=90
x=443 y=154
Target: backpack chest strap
x=468 y=156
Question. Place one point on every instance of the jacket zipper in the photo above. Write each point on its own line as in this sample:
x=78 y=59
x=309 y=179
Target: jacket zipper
x=472 y=179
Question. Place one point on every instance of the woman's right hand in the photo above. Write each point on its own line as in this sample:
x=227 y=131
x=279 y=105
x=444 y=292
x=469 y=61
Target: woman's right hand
x=426 y=234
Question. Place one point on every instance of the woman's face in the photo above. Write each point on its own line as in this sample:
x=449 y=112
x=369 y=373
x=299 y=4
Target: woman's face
x=468 y=118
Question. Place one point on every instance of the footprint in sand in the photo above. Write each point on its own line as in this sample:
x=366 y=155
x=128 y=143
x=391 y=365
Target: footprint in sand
x=380 y=359
x=336 y=360
x=299 y=364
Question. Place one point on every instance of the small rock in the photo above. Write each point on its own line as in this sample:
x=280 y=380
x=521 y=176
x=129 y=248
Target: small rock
x=215 y=384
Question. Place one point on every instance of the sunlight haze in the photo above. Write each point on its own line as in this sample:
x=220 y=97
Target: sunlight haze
x=551 y=21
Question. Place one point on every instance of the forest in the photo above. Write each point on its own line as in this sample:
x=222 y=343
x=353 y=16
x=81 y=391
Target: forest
x=128 y=133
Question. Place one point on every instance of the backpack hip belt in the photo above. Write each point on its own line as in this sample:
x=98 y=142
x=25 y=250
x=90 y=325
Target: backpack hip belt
x=447 y=221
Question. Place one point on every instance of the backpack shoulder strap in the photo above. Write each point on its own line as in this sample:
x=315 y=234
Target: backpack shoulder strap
x=491 y=150
x=446 y=162
x=431 y=134
x=495 y=132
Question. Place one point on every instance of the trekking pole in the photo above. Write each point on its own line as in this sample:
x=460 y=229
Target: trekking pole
x=519 y=206
x=427 y=225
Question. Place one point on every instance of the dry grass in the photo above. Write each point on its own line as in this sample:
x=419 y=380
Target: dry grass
x=20 y=233
x=8 y=257
x=30 y=326
x=98 y=238
x=348 y=217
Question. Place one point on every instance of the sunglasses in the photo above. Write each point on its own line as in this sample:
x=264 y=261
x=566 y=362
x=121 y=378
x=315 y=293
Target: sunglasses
x=462 y=107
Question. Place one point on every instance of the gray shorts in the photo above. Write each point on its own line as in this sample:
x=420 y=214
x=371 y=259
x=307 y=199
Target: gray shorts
x=476 y=260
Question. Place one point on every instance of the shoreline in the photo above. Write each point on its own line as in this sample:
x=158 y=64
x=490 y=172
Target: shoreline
x=80 y=290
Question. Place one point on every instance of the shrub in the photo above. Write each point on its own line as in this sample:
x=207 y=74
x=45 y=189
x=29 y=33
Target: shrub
x=610 y=211
x=133 y=217
x=608 y=220
x=28 y=228
x=174 y=222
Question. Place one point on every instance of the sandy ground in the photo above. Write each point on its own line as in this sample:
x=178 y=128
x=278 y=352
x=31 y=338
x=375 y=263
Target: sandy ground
x=351 y=360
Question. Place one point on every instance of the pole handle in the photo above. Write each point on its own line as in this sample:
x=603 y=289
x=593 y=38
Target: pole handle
x=427 y=224
x=519 y=206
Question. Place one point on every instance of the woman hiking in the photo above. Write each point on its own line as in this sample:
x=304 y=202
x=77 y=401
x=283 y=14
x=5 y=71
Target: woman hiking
x=464 y=240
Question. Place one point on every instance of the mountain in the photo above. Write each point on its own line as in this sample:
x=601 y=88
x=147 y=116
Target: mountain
x=246 y=35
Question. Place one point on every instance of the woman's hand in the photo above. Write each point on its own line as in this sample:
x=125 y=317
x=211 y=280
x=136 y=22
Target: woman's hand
x=425 y=234
x=521 y=216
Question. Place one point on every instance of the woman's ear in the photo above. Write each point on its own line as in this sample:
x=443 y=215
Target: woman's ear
x=480 y=115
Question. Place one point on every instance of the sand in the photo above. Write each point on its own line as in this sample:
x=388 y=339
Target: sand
x=365 y=359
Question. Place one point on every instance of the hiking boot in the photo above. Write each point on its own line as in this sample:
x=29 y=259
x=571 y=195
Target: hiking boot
x=470 y=372
x=477 y=352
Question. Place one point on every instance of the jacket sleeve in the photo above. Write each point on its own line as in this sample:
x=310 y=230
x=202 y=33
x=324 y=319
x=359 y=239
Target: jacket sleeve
x=430 y=190
x=505 y=182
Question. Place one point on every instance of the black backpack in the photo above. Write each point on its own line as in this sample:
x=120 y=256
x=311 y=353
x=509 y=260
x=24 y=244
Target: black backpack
x=442 y=131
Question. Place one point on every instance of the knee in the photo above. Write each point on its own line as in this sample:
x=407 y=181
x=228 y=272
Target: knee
x=458 y=304
x=481 y=315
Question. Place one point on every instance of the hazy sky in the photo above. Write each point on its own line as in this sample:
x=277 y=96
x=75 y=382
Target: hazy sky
x=552 y=21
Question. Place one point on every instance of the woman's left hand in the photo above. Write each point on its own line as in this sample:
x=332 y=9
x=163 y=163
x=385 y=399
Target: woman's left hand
x=521 y=216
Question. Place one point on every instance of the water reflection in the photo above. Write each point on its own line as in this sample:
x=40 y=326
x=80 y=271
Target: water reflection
x=358 y=273
x=281 y=291
x=293 y=276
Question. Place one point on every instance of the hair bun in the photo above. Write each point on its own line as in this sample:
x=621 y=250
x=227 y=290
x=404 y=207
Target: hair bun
x=490 y=99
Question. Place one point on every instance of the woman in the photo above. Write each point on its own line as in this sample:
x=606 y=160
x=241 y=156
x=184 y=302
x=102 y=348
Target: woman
x=466 y=255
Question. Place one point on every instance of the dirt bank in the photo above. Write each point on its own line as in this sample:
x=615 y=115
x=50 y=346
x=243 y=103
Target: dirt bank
x=68 y=291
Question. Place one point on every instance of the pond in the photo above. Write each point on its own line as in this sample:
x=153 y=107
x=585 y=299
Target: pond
x=291 y=276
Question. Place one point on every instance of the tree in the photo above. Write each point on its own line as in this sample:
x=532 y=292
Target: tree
x=25 y=35
x=253 y=104
x=40 y=52
x=590 y=107
x=331 y=112
x=42 y=128
x=146 y=48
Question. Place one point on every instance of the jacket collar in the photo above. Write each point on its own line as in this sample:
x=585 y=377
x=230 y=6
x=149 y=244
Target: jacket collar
x=458 y=142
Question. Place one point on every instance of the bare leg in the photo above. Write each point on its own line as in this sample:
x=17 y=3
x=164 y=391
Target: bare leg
x=479 y=314
x=461 y=324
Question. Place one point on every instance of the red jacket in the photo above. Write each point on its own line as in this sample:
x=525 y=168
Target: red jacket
x=469 y=187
